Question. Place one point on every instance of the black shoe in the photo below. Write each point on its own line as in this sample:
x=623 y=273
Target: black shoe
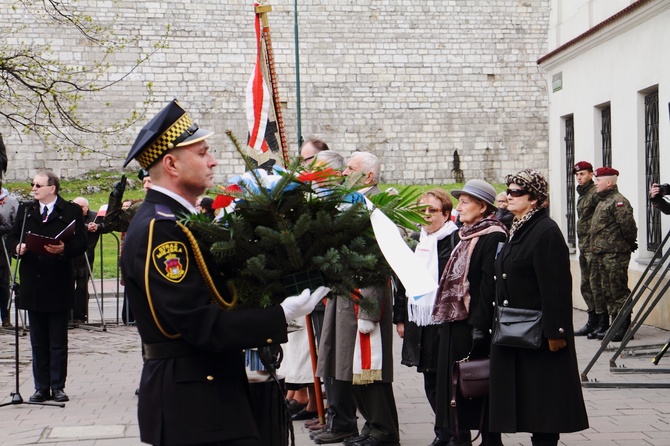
x=357 y=439
x=39 y=396
x=333 y=436
x=372 y=441
x=438 y=442
x=304 y=414
x=466 y=440
x=315 y=433
x=454 y=442
x=59 y=396
x=295 y=407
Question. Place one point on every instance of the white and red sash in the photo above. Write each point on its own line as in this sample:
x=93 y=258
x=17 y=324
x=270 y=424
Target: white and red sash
x=368 y=355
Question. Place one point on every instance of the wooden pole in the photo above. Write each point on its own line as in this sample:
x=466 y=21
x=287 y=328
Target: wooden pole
x=317 y=381
x=263 y=10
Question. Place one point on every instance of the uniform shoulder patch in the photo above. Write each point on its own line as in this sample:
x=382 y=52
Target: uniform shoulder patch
x=171 y=260
x=164 y=213
x=619 y=204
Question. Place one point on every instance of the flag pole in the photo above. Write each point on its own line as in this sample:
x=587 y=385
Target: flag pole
x=298 y=106
x=262 y=11
x=317 y=381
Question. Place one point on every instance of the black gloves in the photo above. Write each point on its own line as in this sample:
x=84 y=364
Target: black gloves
x=481 y=341
x=633 y=247
x=119 y=188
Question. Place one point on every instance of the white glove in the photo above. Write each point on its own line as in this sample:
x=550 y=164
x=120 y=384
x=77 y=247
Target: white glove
x=297 y=306
x=365 y=326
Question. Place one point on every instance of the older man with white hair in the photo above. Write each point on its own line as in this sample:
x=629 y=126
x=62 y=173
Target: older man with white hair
x=343 y=323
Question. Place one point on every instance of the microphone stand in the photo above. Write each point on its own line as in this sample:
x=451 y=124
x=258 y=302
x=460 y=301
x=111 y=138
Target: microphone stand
x=16 y=395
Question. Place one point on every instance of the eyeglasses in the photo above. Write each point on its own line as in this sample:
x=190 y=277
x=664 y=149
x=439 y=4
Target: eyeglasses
x=431 y=210
x=37 y=186
x=517 y=192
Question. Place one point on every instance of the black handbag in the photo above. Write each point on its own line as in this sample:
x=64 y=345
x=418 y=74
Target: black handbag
x=471 y=378
x=517 y=327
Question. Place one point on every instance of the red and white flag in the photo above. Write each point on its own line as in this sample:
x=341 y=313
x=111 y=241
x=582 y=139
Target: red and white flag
x=258 y=99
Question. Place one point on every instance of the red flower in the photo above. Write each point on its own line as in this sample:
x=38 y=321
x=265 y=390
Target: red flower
x=229 y=194
x=316 y=175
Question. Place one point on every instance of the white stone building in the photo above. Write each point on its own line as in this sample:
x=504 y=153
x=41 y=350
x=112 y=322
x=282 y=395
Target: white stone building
x=608 y=78
x=412 y=81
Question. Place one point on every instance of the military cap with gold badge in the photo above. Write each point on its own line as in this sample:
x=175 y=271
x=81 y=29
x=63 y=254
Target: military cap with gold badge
x=170 y=128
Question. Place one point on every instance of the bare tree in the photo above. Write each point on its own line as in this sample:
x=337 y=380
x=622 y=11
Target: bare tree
x=41 y=95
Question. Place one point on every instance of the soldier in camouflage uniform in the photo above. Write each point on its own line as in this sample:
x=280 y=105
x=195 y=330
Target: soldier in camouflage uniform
x=613 y=238
x=586 y=205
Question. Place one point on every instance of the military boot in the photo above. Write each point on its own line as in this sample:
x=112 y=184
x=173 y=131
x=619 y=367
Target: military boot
x=603 y=325
x=590 y=325
x=601 y=335
x=618 y=336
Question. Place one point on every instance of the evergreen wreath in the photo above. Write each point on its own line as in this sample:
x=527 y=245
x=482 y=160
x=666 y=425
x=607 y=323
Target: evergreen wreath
x=297 y=221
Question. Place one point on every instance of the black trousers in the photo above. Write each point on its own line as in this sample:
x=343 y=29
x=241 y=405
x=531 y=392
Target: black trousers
x=341 y=407
x=430 y=387
x=48 y=339
x=376 y=404
x=80 y=310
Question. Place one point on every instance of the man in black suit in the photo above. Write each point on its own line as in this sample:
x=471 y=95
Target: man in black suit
x=193 y=388
x=84 y=262
x=47 y=288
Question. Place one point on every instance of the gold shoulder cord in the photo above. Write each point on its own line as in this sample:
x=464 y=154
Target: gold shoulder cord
x=146 y=284
x=200 y=260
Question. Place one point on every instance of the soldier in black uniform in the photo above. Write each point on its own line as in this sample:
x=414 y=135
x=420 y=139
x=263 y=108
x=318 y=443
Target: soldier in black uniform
x=193 y=388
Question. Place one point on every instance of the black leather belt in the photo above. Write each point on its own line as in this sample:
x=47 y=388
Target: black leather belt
x=172 y=349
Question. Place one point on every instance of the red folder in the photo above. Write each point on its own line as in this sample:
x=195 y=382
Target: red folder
x=36 y=242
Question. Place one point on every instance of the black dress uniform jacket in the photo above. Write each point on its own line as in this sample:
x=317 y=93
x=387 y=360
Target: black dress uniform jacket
x=537 y=391
x=198 y=393
x=47 y=281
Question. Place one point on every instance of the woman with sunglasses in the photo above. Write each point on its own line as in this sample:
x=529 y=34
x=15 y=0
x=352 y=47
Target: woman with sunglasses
x=464 y=307
x=536 y=390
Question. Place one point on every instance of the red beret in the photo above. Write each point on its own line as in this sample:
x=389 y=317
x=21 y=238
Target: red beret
x=606 y=172
x=582 y=165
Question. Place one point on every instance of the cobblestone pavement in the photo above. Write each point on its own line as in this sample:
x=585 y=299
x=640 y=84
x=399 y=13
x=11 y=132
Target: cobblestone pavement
x=104 y=368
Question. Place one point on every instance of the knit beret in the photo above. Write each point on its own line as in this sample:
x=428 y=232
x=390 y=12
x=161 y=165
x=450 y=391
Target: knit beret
x=606 y=172
x=582 y=165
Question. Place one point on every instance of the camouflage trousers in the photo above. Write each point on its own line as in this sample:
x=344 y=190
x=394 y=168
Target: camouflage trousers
x=609 y=280
x=585 y=284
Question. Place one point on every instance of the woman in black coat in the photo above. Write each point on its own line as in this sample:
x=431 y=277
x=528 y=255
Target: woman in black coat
x=420 y=337
x=464 y=306
x=536 y=390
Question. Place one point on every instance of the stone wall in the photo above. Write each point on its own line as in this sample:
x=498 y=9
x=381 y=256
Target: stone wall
x=410 y=81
